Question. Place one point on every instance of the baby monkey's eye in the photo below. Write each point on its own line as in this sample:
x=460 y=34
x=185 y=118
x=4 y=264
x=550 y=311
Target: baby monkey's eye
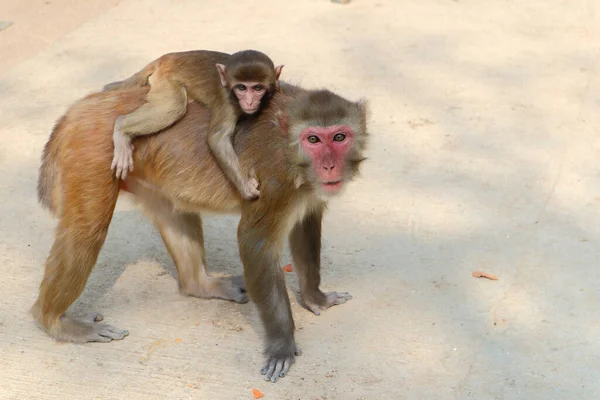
x=313 y=139
x=339 y=137
x=240 y=87
x=259 y=88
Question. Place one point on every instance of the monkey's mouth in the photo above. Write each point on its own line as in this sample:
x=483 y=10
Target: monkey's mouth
x=251 y=111
x=332 y=186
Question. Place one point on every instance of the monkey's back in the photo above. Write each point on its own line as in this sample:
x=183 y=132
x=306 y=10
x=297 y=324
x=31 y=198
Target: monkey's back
x=196 y=70
x=176 y=161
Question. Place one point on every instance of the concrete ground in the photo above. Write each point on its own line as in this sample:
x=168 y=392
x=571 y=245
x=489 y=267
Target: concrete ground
x=484 y=156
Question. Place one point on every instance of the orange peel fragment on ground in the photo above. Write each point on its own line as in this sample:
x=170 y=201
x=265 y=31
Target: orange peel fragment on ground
x=257 y=393
x=287 y=268
x=479 y=274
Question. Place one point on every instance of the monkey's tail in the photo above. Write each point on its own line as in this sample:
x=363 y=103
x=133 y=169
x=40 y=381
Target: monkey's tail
x=138 y=79
x=49 y=170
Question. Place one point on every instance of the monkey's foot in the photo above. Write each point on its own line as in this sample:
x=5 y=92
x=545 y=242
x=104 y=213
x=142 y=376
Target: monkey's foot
x=123 y=155
x=85 y=329
x=233 y=289
x=277 y=366
x=321 y=301
x=249 y=190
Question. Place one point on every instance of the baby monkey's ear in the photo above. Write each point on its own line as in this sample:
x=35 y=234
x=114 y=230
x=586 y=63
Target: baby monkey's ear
x=222 y=74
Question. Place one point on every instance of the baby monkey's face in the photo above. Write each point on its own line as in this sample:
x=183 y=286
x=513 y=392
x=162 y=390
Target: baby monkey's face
x=249 y=95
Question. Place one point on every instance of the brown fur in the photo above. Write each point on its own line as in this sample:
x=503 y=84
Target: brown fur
x=177 y=176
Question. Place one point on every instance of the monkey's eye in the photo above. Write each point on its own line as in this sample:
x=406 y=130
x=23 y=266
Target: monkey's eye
x=339 y=137
x=240 y=87
x=259 y=88
x=313 y=139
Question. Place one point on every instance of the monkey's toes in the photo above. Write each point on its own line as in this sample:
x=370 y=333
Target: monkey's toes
x=328 y=300
x=335 y=298
x=235 y=289
x=86 y=329
x=106 y=333
x=87 y=317
x=238 y=295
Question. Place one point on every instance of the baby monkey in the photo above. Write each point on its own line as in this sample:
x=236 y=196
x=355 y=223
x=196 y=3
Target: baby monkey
x=229 y=85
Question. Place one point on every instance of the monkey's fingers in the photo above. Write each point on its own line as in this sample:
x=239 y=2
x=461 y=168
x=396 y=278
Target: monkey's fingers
x=254 y=194
x=114 y=163
x=266 y=365
x=286 y=367
x=122 y=158
x=121 y=172
x=250 y=190
x=274 y=368
x=117 y=166
x=122 y=169
x=130 y=158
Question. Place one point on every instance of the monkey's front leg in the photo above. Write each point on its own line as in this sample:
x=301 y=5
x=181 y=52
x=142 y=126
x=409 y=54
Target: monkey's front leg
x=266 y=286
x=305 y=245
x=219 y=140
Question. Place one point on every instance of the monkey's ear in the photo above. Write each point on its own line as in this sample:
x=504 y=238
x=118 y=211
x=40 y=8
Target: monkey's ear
x=222 y=74
x=277 y=73
x=363 y=104
x=282 y=121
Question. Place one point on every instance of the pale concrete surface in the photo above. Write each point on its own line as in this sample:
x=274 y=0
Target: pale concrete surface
x=483 y=157
x=35 y=24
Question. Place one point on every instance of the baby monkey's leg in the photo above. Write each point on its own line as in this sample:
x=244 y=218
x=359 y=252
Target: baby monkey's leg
x=166 y=103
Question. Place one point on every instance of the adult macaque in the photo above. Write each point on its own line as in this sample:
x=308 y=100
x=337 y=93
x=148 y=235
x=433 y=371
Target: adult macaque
x=305 y=147
x=230 y=85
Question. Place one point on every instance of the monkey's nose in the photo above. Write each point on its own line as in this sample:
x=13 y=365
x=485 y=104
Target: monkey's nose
x=329 y=168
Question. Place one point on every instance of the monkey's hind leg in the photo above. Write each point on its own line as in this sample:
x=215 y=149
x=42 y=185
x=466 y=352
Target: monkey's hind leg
x=183 y=236
x=79 y=238
x=166 y=103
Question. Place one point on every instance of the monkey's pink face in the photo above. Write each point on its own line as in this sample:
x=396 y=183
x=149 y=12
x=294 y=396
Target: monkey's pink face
x=328 y=147
x=250 y=95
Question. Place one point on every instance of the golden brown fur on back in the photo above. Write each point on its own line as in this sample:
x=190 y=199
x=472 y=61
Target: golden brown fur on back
x=89 y=154
x=156 y=156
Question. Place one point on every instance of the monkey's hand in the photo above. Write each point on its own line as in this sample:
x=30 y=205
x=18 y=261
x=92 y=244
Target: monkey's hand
x=278 y=364
x=123 y=155
x=250 y=188
x=319 y=301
